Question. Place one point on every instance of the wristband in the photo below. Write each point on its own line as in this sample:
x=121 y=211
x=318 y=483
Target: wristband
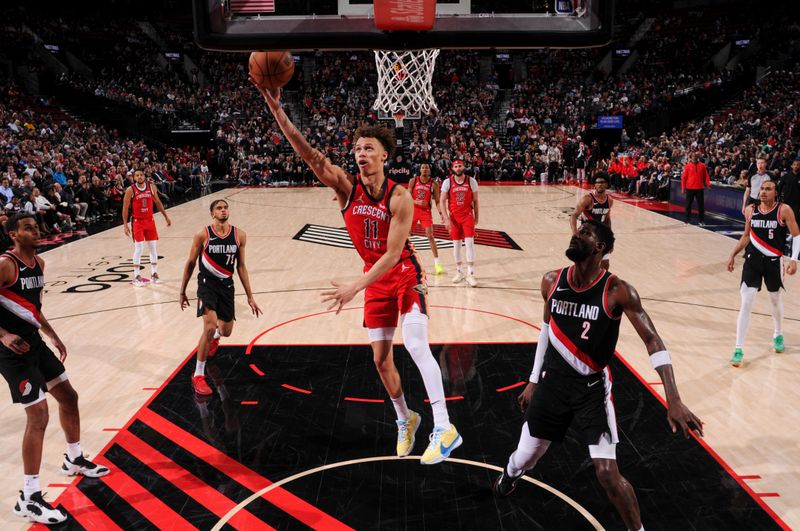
x=660 y=358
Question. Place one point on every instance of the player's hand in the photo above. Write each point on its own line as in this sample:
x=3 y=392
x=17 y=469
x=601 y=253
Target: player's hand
x=679 y=416
x=15 y=343
x=343 y=294
x=184 y=300
x=169 y=222
x=62 y=349
x=446 y=222
x=525 y=396
x=253 y=306
x=791 y=267
x=272 y=97
x=731 y=263
x=127 y=230
x=476 y=221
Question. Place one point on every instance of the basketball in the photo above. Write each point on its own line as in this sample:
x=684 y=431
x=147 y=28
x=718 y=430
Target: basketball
x=272 y=69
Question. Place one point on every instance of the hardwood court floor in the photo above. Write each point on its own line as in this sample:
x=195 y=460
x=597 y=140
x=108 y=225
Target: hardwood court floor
x=125 y=342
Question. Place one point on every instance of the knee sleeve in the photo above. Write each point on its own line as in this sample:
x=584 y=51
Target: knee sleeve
x=529 y=450
x=470 y=245
x=151 y=245
x=380 y=334
x=138 y=250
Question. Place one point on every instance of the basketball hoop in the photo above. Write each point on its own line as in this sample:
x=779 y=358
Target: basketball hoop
x=405 y=81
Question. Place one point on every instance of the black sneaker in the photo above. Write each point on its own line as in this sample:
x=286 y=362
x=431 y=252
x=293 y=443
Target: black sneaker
x=36 y=509
x=81 y=465
x=504 y=485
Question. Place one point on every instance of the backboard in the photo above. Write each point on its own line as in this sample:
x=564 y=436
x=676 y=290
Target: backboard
x=244 y=25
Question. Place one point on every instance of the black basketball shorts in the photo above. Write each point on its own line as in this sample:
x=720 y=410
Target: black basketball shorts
x=560 y=400
x=217 y=296
x=31 y=374
x=758 y=267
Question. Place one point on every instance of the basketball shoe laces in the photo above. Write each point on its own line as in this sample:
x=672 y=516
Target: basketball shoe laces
x=402 y=430
x=435 y=438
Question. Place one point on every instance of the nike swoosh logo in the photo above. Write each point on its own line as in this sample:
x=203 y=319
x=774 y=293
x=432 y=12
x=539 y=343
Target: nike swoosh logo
x=593 y=383
x=445 y=449
x=212 y=239
x=562 y=289
x=21 y=269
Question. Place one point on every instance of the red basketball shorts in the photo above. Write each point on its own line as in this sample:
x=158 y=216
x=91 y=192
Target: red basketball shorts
x=144 y=230
x=423 y=217
x=462 y=226
x=394 y=294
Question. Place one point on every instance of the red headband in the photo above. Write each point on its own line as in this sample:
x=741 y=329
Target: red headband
x=457 y=161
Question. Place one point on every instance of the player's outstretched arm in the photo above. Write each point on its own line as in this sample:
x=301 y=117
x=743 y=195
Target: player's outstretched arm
x=194 y=253
x=328 y=173
x=241 y=267
x=625 y=296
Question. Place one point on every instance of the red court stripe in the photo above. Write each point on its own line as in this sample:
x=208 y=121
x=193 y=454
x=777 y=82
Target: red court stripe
x=184 y=480
x=150 y=507
x=370 y=400
x=256 y=369
x=83 y=511
x=149 y=388
x=58 y=485
x=768 y=495
x=301 y=510
x=293 y=388
x=112 y=429
x=249 y=402
x=750 y=477
x=508 y=387
x=447 y=398
x=655 y=383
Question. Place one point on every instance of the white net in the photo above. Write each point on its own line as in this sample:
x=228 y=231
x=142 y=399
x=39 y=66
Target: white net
x=405 y=81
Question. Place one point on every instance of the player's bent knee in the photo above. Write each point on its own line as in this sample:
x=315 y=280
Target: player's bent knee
x=38 y=415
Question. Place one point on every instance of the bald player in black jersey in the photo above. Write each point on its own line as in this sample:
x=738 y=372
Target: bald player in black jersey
x=596 y=206
x=32 y=369
x=570 y=382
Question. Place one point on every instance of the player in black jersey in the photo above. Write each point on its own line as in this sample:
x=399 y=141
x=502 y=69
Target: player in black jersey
x=596 y=206
x=766 y=226
x=217 y=249
x=570 y=382
x=32 y=369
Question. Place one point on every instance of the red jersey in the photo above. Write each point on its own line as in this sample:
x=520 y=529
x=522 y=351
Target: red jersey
x=460 y=197
x=422 y=192
x=142 y=202
x=367 y=220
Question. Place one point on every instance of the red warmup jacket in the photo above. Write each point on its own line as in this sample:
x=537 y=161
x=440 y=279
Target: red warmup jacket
x=695 y=176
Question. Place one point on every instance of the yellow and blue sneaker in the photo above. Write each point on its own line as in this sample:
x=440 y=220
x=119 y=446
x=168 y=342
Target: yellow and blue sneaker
x=438 y=269
x=406 y=433
x=443 y=442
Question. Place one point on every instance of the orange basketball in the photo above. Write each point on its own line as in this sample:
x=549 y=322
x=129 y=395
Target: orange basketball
x=271 y=70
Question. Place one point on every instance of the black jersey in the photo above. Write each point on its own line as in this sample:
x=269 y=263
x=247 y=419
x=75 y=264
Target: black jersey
x=22 y=300
x=767 y=231
x=583 y=329
x=599 y=211
x=219 y=256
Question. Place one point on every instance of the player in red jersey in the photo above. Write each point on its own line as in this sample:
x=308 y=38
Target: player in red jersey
x=424 y=189
x=143 y=196
x=378 y=213
x=460 y=207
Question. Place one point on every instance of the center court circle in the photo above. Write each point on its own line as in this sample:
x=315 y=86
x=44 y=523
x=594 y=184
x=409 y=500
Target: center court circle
x=256 y=495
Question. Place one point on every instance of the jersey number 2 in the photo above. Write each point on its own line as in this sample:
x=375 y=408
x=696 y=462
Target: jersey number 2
x=586 y=326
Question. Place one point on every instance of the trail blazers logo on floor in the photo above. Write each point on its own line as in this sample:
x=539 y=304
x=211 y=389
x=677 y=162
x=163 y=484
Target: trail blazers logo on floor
x=338 y=237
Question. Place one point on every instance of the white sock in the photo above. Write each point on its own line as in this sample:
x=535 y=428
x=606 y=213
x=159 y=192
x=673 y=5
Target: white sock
x=415 y=338
x=470 y=269
x=743 y=323
x=641 y=528
x=436 y=260
x=777 y=312
x=400 y=407
x=74 y=450
x=200 y=369
x=30 y=485
x=217 y=335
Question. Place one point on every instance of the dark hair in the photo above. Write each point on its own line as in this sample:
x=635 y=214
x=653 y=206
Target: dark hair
x=383 y=134
x=214 y=203
x=12 y=223
x=603 y=233
x=601 y=175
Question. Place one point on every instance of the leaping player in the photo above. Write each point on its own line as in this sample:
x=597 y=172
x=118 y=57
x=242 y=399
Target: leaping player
x=143 y=195
x=424 y=189
x=378 y=214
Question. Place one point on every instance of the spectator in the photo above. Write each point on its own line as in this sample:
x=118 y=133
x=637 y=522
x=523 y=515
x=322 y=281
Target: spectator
x=694 y=180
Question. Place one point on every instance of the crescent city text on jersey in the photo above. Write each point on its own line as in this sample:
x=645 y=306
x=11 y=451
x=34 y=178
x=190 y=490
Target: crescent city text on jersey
x=572 y=309
x=377 y=212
